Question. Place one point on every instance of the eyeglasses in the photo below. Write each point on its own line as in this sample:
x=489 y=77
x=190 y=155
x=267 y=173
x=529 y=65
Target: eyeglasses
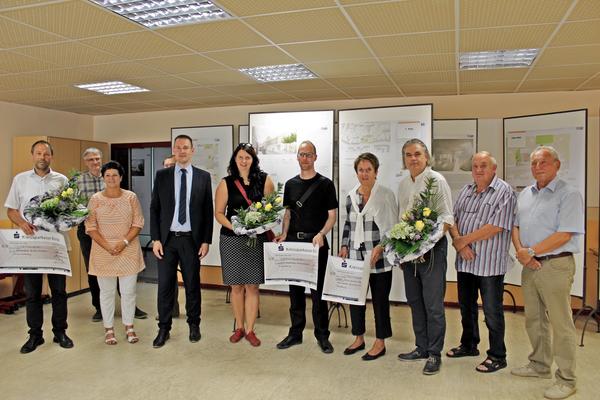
x=245 y=146
x=306 y=155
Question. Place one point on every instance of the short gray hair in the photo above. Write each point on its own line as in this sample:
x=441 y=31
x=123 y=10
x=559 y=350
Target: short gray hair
x=420 y=143
x=91 y=150
x=486 y=154
x=549 y=149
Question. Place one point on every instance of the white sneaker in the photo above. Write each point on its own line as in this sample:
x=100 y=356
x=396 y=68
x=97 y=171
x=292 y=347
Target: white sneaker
x=559 y=391
x=528 y=371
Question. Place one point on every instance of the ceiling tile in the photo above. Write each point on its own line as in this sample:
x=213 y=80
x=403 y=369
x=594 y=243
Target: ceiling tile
x=70 y=54
x=269 y=98
x=223 y=77
x=181 y=64
x=361 y=81
x=20 y=3
x=431 y=62
x=288 y=28
x=20 y=81
x=218 y=35
x=403 y=45
x=15 y=63
x=322 y=94
x=372 y=92
x=252 y=57
x=403 y=17
x=500 y=74
x=585 y=9
x=328 y=50
x=488 y=87
x=74 y=19
x=425 y=77
x=162 y=83
x=518 y=37
x=256 y=7
x=588 y=54
x=137 y=45
x=565 y=71
x=13 y=34
x=176 y=103
x=488 y=13
x=193 y=93
x=332 y=69
x=224 y=101
x=431 y=89
x=532 y=85
x=592 y=84
x=573 y=33
x=304 y=84
x=236 y=90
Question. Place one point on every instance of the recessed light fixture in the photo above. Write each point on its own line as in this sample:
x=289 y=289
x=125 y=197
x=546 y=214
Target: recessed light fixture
x=278 y=73
x=159 y=13
x=518 y=58
x=114 y=87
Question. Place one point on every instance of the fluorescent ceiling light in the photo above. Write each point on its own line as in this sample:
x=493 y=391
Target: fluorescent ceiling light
x=519 y=58
x=159 y=13
x=278 y=73
x=114 y=87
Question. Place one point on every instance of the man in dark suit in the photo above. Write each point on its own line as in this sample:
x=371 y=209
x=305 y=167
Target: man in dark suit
x=181 y=226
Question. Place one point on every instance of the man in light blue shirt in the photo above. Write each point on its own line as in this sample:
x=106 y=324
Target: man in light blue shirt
x=548 y=229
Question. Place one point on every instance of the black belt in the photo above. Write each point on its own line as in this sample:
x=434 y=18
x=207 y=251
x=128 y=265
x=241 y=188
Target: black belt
x=303 y=235
x=180 y=234
x=551 y=256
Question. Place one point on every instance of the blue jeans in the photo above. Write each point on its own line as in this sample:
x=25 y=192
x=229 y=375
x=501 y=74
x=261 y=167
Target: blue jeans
x=492 y=290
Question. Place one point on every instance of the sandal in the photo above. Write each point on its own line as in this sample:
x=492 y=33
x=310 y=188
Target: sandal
x=109 y=337
x=131 y=336
x=490 y=365
x=462 y=351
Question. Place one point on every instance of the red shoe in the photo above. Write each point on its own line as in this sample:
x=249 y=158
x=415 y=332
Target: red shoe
x=238 y=334
x=251 y=337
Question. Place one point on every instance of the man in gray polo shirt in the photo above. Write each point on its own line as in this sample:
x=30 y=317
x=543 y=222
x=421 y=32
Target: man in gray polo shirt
x=548 y=229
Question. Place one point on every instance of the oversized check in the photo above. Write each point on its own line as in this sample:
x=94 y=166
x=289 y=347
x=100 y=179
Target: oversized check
x=346 y=280
x=291 y=263
x=42 y=253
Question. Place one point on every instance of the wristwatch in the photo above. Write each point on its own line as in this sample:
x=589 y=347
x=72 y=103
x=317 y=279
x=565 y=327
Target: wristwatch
x=531 y=252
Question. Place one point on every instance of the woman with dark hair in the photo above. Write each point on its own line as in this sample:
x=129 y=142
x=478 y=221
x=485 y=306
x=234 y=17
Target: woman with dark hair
x=242 y=265
x=371 y=211
x=114 y=223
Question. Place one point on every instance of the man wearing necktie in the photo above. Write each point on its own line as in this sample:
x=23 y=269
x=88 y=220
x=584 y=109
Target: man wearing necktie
x=181 y=225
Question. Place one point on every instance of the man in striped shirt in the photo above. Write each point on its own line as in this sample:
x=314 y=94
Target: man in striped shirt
x=484 y=214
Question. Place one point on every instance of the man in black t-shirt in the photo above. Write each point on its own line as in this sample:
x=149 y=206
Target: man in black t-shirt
x=309 y=223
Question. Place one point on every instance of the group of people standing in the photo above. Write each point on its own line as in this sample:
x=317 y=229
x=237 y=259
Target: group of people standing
x=545 y=223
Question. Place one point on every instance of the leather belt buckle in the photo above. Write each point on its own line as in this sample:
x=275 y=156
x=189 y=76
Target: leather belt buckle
x=300 y=235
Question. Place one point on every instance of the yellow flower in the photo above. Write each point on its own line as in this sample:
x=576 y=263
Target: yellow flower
x=419 y=225
x=278 y=200
x=70 y=191
x=268 y=207
x=405 y=216
x=64 y=193
x=258 y=205
x=426 y=212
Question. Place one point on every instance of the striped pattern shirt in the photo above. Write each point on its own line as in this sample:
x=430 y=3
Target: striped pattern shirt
x=89 y=184
x=496 y=205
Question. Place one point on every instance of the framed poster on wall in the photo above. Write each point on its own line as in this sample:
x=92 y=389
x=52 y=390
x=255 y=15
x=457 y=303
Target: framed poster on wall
x=212 y=150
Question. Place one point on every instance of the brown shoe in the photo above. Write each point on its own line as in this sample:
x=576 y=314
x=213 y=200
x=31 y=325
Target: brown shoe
x=251 y=337
x=238 y=334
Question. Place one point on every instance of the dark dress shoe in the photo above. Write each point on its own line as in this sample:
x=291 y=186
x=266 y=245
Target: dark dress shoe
x=195 y=333
x=289 y=341
x=63 y=340
x=31 y=344
x=139 y=314
x=371 y=357
x=325 y=345
x=97 y=317
x=161 y=338
x=432 y=366
x=349 y=351
x=415 y=355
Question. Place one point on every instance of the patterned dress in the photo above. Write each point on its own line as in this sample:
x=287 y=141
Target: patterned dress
x=112 y=218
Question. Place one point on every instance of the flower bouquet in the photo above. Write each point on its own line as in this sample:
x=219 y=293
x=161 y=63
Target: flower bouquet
x=260 y=217
x=58 y=210
x=418 y=231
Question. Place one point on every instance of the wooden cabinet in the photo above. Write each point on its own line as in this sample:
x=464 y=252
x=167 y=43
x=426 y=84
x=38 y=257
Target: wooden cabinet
x=67 y=157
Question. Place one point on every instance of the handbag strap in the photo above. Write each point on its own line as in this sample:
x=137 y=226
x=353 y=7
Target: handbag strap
x=310 y=191
x=242 y=191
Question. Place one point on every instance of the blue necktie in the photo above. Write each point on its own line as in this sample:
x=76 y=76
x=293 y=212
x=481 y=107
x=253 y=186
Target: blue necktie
x=183 y=197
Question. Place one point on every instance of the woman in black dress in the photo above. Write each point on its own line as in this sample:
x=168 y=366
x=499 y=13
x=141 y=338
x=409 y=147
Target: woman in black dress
x=242 y=265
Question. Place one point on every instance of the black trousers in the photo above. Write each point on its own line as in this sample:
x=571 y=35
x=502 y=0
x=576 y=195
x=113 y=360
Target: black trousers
x=183 y=251
x=381 y=285
x=320 y=314
x=85 y=242
x=34 y=304
x=425 y=285
x=492 y=291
